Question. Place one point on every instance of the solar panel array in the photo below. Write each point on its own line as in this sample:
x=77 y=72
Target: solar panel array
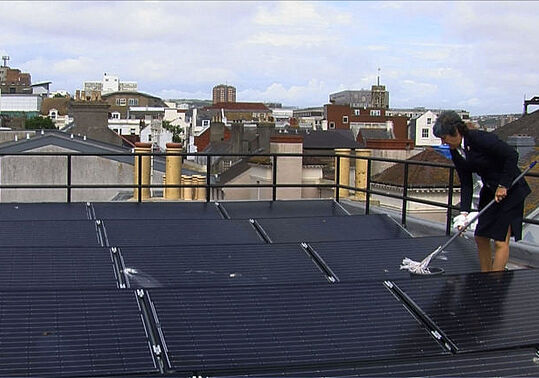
x=255 y=288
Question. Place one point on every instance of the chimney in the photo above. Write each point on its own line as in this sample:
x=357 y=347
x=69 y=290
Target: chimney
x=217 y=132
x=344 y=171
x=265 y=130
x=289 y=169
x=142 y=148
x=237 y=138
x=173 y=171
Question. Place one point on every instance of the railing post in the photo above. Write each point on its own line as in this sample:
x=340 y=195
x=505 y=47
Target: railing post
x=274 y=188
x=208 y=179
x=404 y=195
x=368 y=187
x=449 y=201
x=68 y=178
x=337 y=177
x=139 y=183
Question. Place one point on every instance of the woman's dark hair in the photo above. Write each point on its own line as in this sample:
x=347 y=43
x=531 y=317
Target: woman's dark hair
x=447 y=123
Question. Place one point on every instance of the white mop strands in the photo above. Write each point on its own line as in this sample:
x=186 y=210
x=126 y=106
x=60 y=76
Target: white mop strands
x=419 y=267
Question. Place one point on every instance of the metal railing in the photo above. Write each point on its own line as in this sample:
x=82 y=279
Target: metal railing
x=273 y=158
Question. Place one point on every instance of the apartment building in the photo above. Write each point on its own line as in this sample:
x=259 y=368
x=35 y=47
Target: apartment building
x=109 y=84
x=224 y=93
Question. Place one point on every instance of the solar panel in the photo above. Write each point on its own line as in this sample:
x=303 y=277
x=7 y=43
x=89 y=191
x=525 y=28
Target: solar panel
x=509 y=362
x=156 y=210
x=218 y=265
x=227 y=329
x=365 y=260
x=317 y=229
x=282 y=209
x=481 y=311
x=72 y=333
x=42 y=211
x=49 y=233
x=25 y=268
x=155 y=232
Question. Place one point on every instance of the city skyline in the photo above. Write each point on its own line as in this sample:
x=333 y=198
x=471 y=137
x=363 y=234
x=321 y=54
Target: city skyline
x=478 y=56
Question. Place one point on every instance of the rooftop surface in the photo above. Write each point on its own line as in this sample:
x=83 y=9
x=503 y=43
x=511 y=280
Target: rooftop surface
x=250 y=288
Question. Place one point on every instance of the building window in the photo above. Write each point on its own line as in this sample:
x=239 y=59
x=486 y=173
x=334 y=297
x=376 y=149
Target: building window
x=375 y=113
x=429 y=121
x=424 y=133
x=133 y=131
x=332 y=125
x=133 y=101
x=344 y=119
x=205 y=122
x=357 y=112
x=115 y=115
x=53 y=114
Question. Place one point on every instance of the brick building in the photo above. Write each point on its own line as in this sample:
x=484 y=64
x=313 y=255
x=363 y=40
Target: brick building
x=224 y=93
x=13 y=81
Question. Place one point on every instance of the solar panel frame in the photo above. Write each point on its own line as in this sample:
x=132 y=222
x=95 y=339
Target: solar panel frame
x=227 y=330
x=43 y=211
x=480 y=312
x=282 y=209
x=170 y=232
x=319 y=229
x=219 y=265
x=507 y=362
x=156 y=210
x=363 y=260
x=56 y=268
x=49 y=233
x=72 y=332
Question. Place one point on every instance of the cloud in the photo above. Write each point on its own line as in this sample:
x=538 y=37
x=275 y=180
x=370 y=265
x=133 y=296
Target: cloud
x=478 y=54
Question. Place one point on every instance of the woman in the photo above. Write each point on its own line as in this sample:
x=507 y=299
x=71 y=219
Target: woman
x=496 y=163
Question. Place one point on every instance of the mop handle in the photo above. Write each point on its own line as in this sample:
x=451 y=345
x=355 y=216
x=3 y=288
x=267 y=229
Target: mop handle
x=481 y=212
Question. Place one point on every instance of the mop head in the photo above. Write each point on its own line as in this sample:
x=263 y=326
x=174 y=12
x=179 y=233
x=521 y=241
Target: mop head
x=420 y=267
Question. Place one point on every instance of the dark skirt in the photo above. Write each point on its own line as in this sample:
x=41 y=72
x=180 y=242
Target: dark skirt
x=494 y=223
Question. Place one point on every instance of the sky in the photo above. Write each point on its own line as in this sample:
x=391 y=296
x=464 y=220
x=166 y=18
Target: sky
x=480 y=56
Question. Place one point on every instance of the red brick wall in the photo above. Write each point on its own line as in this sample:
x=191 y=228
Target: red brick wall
x=203 y=140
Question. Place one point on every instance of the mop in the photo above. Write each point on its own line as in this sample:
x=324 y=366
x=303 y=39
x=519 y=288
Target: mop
x=422 y=267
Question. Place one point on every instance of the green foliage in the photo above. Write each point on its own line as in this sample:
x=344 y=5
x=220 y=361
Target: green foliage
x=177 y=132
x=58 y=95
x=37 y=123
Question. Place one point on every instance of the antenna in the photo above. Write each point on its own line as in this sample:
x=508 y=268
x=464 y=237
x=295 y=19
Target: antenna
x=378 y=76
x=5 y=58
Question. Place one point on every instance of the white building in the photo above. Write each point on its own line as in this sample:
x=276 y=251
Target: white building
x=27 y=103
x=157 y=135
x=420 y=130
x=125 y=126
x=281 y=116
x=109 y=84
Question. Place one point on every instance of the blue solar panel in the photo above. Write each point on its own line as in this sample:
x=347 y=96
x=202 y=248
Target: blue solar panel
x=366 y=260
x=317 y=229
x=156 y=210
x=72 y=333
x=25 y=268
x=48 y=233
x=282 y=209
x=43 y=211
x=179 y=232
x=226 y=329
x=509 y=362
x=481 y=312
x=218 y=265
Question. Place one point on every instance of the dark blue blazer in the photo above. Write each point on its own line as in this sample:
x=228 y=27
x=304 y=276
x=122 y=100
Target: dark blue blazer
x=494 y=161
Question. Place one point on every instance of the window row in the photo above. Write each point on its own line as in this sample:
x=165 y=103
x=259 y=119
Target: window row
x=124 y=101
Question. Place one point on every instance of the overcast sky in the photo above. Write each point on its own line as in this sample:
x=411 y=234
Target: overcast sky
x=480 y=56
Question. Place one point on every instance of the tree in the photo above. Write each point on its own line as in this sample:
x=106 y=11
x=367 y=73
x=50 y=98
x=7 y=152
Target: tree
x=177 y=132
x=37 y=123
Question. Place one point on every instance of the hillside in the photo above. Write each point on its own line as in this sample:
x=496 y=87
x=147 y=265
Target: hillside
x=528 y=124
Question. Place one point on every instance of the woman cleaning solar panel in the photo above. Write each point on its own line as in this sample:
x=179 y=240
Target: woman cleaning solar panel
x=476 y=151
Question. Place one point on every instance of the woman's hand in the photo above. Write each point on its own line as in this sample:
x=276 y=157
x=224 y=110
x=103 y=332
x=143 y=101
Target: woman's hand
x=501 y=193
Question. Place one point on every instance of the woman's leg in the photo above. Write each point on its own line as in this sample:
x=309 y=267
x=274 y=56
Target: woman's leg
x=485 y=253
x=501 y=252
